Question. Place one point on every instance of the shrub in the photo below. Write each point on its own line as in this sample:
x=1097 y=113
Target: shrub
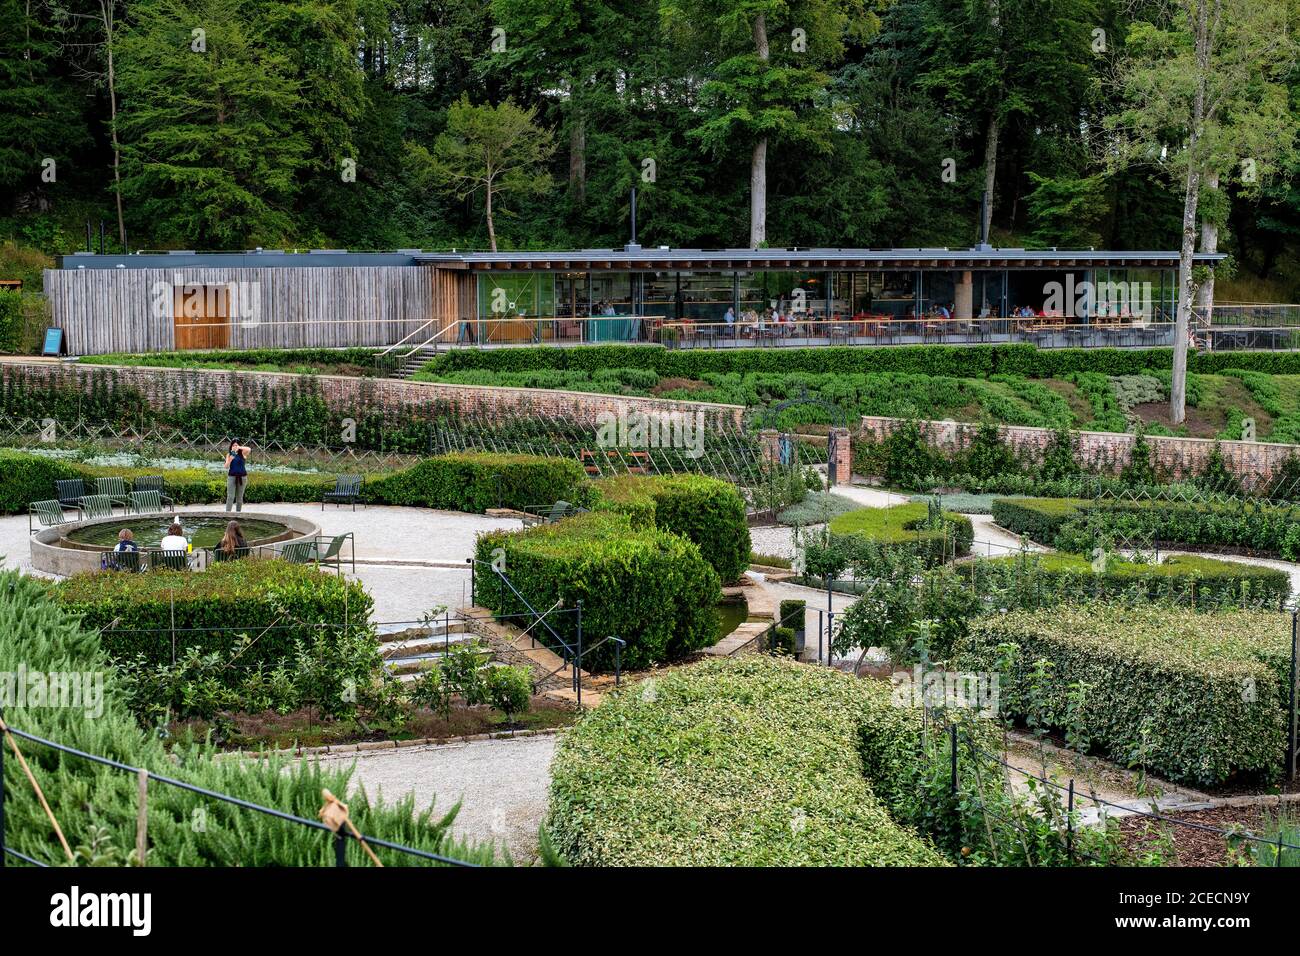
x=1180 y=579
x=469 y=482
x=708 y=511
x=1038 y=518
x=909 y=527
x=748 y=762
x=274 y=602
x=649 y=587
x=41 y=636
x=509 y=689
x=988 y=456
x=29 y=478
x=1193 y=697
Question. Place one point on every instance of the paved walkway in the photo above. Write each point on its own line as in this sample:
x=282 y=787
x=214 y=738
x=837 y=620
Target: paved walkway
x=501 y=785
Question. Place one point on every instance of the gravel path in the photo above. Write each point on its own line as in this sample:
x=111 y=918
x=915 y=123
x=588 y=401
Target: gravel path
x=501 y=785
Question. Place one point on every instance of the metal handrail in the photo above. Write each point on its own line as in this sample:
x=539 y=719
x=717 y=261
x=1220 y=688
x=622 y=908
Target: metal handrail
x=405 y=338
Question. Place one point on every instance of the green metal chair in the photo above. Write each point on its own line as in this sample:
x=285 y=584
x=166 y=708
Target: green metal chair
x=219 y=556
x=121 y=561
x=114 y=488
x=347 y=490
x=70 y=491
x=147 y=502
x=148 y=483
x=96 y=506
x=49 y=514
x=333 y=554
x=301 y=552
x=173 y=560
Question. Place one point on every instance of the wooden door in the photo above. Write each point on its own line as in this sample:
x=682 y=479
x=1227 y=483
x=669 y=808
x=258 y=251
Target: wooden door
x=201 y=317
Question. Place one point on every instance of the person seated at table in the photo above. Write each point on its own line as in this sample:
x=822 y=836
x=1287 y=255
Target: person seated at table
x=942 y=312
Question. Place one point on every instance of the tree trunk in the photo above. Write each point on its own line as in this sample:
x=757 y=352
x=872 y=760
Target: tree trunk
x=990 y=173
x=758 y=164
x=106 y=8
x=577 y=153
x=1209 y=243
x=492 y=233
x=1191 y=200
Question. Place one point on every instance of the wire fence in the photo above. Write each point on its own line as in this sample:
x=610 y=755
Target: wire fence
x=339 y=835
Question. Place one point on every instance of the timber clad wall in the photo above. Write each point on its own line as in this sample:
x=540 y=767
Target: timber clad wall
x=113 y=310
x=168 y=388
x=1178 y=457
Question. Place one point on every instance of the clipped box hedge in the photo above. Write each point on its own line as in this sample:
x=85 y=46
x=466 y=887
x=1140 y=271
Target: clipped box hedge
x=1265 y=529
x=747 y=762
x=235 y=598
x=1196 y=697
x=28 y=478
x=1180 y=578
x=470 y=482
x=901 y=526
x=707 y=511
x=648 y=587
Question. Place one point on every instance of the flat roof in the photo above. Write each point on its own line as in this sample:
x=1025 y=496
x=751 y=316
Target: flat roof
x=653 y=259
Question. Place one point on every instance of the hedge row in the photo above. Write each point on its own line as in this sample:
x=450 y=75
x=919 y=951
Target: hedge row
x=275 y=602
x=707 y=511
x=644 y=585
x=469 y=482
x=475 y=482
x=41 y=637
x=1265 y=529
x=902 y=526
x=238 y=358
x=1184 y=579
x=1193 y=697
x=747 y=762
x=960 y=361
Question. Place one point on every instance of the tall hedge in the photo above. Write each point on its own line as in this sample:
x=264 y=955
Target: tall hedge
x=646 y=586
x=746 y=762
x=272 y=601
x=41 y=636
x=1195 y=697
x=477 y=481
x=28 y=478
x=707 y=511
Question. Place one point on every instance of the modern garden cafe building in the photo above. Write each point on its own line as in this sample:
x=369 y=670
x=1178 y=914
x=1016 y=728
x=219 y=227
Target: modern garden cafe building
x=722 y=298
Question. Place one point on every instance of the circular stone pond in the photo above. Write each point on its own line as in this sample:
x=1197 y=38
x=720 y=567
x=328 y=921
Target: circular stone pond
x=78 y=545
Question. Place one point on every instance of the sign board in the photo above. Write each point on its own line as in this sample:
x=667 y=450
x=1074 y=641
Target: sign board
x=54 y=344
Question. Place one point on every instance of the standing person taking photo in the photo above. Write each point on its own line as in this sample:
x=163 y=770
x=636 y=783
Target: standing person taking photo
x=236 y=474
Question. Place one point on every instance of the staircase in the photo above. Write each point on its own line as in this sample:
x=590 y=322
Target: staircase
x=407 y=653
x=408 y=364
x=552 y=674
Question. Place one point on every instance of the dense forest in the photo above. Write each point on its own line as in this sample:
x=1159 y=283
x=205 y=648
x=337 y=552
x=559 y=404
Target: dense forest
x=229 y=124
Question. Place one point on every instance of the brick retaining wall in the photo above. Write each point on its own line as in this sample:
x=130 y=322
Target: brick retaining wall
x=165 y=388
x=1106 y=451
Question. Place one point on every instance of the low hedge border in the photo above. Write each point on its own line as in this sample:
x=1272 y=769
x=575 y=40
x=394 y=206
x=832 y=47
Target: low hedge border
x=646 y=586
x=233 y=599
x=901 y=526
x=707 y=511
x=1264 y=529
x=1180 y=578
x=1196 y=697
x=747 y=762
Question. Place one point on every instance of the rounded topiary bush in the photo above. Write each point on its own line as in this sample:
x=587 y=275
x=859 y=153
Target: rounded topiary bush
x=646 y=586
x=707 y=511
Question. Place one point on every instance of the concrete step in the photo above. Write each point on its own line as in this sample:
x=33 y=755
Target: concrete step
x=436 y=629
x=590 y=698
x=423 y=645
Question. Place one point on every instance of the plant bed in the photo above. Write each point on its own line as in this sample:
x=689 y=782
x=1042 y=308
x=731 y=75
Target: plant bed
x=270 y=730
x=1197 y=845
x=904 y=527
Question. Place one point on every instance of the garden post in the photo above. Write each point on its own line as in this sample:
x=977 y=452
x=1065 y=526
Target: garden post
x=577 y=664
x=1069 y=824
x=1291 y=712
x=952 y=740
x=340 y=847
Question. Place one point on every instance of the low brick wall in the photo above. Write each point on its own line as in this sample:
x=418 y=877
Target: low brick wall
x=1108 y=452
x=165 y=388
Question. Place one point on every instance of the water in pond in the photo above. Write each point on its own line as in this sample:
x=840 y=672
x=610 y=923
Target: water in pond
x=730 y=616
x=149 y=531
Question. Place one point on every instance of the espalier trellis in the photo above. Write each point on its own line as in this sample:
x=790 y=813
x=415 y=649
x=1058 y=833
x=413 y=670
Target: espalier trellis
x=295 y=421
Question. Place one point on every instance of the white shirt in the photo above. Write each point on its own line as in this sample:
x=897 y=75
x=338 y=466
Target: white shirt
x=174 y=542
